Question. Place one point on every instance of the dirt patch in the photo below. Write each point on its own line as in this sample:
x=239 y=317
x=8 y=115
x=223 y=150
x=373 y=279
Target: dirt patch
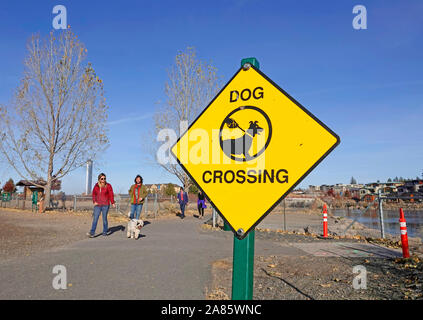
x=219 y=292
x=23 y=233
x=323 y=278
x=310 y=277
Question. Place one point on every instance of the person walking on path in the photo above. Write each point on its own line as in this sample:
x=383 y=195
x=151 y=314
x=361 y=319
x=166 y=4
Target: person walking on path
x=137 y=192
x=183 y=200
x=102 y=198
x=201 y=204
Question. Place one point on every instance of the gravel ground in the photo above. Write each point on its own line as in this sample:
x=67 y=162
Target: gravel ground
x=23 y=233
x=310 y=277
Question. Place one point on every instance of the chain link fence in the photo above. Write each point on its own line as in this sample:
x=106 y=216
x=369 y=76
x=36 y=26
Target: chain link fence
x=383 y=214
x=154 y=204
x=16 y=201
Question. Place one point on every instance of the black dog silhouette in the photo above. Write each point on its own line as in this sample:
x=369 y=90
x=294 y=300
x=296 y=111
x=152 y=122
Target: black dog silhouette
x=242 y=145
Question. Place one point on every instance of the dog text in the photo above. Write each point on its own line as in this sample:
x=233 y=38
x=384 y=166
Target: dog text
x=246 y=94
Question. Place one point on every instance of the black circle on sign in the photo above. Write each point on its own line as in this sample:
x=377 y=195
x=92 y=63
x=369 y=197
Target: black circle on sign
x=268 y=137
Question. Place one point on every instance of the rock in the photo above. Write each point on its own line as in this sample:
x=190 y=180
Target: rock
x=414 y=241
x=310 y=230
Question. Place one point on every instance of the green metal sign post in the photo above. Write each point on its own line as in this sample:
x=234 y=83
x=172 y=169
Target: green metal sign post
x=243 y=268
x=243 y=252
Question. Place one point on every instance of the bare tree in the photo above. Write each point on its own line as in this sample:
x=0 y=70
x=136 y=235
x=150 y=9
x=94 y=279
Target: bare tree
x=56 y=120
x=190 y=87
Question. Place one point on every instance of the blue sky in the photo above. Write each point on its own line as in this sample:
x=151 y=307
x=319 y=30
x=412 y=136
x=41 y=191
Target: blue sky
x=366 y=85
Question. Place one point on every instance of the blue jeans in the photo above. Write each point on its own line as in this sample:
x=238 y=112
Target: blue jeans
x=182 y=205
x=135 y=208
x=97 y=210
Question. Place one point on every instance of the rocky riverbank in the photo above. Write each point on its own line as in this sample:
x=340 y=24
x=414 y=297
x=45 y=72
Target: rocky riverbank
x=360 y=205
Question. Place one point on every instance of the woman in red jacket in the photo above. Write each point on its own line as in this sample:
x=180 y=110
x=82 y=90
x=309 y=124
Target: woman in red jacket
x=102 y=197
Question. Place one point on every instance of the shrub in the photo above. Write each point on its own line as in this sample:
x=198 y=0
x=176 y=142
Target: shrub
x=9 y=186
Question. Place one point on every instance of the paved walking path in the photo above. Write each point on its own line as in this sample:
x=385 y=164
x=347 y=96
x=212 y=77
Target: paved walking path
x=171 y=261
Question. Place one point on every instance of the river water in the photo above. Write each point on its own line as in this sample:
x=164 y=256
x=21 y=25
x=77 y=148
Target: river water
x=370 y=219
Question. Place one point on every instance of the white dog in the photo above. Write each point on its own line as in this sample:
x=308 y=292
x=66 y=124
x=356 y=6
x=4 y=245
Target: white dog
x=134 y=228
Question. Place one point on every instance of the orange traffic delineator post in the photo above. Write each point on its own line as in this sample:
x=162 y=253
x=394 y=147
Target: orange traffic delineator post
x=325 y=221
x=404 y=235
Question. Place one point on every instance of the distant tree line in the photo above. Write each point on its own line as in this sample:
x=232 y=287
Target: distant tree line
x=396 y=179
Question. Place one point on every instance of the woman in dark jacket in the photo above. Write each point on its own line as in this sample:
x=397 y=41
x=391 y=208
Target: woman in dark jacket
x=201 y=204
x=183 y=200
x=102 y=198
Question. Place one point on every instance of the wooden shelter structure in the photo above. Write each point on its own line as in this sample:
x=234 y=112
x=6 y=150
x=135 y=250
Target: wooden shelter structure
x=31 y=186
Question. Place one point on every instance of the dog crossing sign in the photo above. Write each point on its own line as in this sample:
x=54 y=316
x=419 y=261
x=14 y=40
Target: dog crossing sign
x=250 y=147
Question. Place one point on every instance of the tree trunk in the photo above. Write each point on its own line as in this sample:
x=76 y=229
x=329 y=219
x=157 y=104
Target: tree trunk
x=47 y=188
x=186 y=182
x=47 y=194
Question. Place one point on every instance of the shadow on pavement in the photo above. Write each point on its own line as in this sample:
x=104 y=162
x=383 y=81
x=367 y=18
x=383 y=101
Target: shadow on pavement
x=116 y=228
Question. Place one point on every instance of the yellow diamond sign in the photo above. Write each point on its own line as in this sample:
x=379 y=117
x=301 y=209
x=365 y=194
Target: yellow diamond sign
x=250 y=147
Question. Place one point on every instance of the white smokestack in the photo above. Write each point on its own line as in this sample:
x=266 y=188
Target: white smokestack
x=89 y=177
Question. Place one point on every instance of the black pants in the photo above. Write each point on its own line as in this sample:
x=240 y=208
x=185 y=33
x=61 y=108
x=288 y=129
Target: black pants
x=200 y=210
